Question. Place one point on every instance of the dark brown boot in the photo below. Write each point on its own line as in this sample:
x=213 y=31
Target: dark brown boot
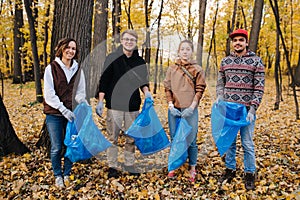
x=249 y=181
x=228 y=175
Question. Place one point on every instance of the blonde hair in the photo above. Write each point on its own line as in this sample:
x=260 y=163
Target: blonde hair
x=130 y=32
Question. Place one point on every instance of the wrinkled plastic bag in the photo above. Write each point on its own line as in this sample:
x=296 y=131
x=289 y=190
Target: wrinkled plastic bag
x=147 y=131
x=180 y=144
x=226 y=120
x=83 y=138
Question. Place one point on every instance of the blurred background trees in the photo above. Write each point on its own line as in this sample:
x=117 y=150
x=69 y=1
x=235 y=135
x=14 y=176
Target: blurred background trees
x=30 y=29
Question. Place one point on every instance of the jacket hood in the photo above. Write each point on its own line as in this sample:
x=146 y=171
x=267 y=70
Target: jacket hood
x=58 y=60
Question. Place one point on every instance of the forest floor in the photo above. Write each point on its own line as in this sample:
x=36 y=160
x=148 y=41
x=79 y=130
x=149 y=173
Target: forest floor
x=277 y=141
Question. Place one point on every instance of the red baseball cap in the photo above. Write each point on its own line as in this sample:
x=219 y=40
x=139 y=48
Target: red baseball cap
x=239 y=32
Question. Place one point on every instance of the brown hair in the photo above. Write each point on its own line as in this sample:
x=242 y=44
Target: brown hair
x=62 y=45
x=130 y=32
x=186 y=41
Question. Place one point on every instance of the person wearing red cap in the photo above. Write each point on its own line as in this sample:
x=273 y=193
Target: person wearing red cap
x=241 y=79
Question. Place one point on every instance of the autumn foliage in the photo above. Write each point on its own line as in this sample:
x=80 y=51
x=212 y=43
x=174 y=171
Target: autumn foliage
x=277 y=142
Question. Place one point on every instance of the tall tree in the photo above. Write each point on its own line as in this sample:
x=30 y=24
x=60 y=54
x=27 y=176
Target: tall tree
x=18 y=41
x=128 y=11
x=33 y=39
x=158 y=46
x=9 y=141
x=277 y=73
x=46 y=36
x=256 y=21
x=147 y=45
x=275 y=9
x=116 y=20
x=207 y=69
x=230 y=26
x=73 y=19
x=202 y=11
x=98 y=53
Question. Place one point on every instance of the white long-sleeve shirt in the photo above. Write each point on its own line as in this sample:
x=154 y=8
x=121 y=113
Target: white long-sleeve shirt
x=49 y=93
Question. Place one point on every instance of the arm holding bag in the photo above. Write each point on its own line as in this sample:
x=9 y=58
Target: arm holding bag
x=226 y=120
x=181 y=142
x=83 y=138
x=147 y=131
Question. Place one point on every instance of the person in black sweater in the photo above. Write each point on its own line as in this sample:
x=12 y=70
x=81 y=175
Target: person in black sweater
x=125 y=74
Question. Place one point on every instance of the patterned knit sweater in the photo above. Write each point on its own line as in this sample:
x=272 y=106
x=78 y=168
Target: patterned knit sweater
x=242 y=79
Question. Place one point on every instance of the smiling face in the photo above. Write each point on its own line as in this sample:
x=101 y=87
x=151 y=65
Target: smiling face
x=185 y=51
x=239 y=44
x=129 y=42
x=69 y=51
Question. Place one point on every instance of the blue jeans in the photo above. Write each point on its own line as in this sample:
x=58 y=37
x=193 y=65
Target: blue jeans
x=193 y=122
x=246 y=133
x=56 y=126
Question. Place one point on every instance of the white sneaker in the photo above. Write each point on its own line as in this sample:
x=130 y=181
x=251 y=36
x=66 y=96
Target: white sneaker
x=59 y=182
x=67 y=180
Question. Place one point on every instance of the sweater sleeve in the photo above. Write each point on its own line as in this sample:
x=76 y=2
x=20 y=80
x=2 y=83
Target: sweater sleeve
x=200 y=86
x=167 y=85
x=220 y=82
x=259 y=83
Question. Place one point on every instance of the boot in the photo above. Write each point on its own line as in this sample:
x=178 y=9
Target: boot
x=112 y=172
x=249 y=181
x=228 y=175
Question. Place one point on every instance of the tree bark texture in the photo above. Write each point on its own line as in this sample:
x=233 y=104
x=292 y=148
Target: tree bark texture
x=73 y=19
x=36 y=62
x=9 y=141
x=99 y=50
x=256 y=21
x=202 y=10
x=18 y=35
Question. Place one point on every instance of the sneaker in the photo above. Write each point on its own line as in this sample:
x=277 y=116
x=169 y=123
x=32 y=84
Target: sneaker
x=171 y=174
x=228 y=175
x=59 y=182
x=249 y=181
x=66 y=180
x=193 y=174
x=112 y=172
x=132 y=170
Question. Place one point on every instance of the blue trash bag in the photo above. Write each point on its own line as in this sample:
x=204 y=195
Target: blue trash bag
x=83 y=138
x=147 y=131
x=226 y=120
x=180 y=144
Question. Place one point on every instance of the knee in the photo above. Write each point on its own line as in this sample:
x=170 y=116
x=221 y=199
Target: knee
x=56 y=149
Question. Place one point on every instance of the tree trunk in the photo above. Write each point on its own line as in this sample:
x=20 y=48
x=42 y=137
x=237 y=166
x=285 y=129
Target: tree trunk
x=18 y=35
x=147 y=45
x=36 y=62
x=73 y=19
x=9 y=141
x=231 y=28
x=297 y=72
x=46 y=36
x=128 y=12
x=158 y=46
x=276 y=73
x=116 y=19
x=99 y=46
x=202 y=10
x=207 y=69
x=256 y=21
x=276 y=14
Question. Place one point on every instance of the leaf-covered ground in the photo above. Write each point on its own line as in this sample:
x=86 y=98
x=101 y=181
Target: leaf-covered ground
x=277 y=139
